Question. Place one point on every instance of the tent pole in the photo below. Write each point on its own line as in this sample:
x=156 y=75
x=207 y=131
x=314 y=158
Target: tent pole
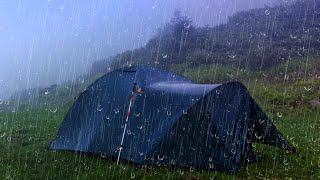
x=126 y=122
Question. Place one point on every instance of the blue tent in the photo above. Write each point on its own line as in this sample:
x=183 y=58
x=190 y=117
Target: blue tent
x=151 y=116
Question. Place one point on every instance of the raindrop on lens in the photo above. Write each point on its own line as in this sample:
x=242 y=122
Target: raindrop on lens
x=185 y=112
x=279 y=114
x=54 y=110
x=187 y=25
x=2 y=135
x=267 y=12
x=257 y=136
x=103 y=155
x=307 y=88
x=133 y=175
x=137 y=115
x=164 y=56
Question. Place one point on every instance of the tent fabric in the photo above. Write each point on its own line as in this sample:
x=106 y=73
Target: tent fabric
x=173 y=121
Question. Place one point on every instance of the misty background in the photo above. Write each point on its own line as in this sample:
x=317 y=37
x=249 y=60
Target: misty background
x=52 y=41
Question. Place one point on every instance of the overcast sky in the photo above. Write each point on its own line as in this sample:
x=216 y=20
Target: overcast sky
x=49 y=41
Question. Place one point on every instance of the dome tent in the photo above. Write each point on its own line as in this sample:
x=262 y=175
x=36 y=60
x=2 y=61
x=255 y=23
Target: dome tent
x=151 y=116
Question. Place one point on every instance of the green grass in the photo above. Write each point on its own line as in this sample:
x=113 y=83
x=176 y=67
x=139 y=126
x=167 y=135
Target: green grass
x=25 y=136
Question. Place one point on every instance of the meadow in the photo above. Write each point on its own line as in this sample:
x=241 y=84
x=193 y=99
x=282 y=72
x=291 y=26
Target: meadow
x=25 y=134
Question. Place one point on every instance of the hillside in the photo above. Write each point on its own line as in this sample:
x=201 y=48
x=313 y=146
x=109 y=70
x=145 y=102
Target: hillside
x=255 y=39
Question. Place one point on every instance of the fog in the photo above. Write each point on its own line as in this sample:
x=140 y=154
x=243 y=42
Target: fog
x=47 y=42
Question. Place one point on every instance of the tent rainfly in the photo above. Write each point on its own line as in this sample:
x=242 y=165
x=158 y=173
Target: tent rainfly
x=151 y=116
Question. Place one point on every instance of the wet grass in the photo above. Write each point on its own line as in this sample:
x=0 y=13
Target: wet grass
x=24 y=153
x=25 y=137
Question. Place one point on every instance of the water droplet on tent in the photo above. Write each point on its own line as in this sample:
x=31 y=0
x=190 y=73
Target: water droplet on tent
x=263 y=34
x=258 y=136
x=224 y=155
x=191 y=169
x=233 y=151
x=133 y=175
x=184 y=111
x=307 y=88
x=164 y=56
x=267 y=12
x=141 y=153
x=139 y=127
x=169 y=113
x=279 y=114
x=261 y=121
x=129 y=132
x=172 y=161
x=207 y=115
x=116 y=111
x=210 y=159
x=137 y=115
x=232 y=56
x=1 y=101
x=229 y=133
x=265 y=74
x=107 y=117
x=54 y=110
x=211 y=166
x=9 y=138
x=156 y=62
x=99 y=108
x=285 y=162
x=292 y=36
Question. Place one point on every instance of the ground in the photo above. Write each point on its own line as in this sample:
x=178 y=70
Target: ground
x=25 y=137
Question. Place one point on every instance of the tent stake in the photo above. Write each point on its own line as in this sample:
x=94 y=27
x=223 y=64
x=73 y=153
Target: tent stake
x=126 y=122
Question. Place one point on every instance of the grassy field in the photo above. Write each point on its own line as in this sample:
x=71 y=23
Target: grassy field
x=25 y=137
